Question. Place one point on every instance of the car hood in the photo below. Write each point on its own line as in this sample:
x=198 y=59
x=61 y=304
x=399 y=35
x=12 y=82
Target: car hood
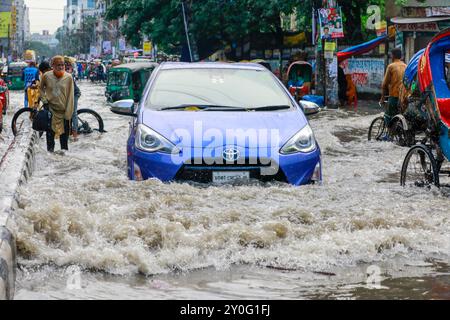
x=178 y=126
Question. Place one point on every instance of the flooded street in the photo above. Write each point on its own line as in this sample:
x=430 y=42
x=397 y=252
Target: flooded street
x=84 y=231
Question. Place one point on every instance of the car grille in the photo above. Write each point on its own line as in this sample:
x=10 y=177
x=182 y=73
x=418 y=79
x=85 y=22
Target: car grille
x=202 y=172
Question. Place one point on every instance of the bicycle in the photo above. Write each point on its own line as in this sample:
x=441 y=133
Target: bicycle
x=88 y=121
x=396 y=129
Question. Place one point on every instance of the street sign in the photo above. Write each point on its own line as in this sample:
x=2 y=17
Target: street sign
x=147 y=48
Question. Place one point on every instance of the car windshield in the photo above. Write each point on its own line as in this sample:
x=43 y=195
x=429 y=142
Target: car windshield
x=233 y=88
x=118 y=78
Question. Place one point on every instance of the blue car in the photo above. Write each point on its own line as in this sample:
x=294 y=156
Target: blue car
x=219 y=123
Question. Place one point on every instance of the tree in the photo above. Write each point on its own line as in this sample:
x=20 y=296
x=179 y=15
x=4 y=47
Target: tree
x=213 y=23
x=216 y=23
x=79 y=40
x=41 y=49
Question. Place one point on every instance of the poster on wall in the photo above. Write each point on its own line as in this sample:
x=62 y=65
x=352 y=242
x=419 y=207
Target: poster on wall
x=330 y=21
x=5 y=22
x=107 y=47
x=93 y=51
x=122 y=45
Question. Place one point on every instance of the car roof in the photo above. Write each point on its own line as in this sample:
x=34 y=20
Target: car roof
x=212 y=65
x=136 y=65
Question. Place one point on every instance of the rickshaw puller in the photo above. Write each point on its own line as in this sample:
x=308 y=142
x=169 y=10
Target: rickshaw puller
x=392 y=83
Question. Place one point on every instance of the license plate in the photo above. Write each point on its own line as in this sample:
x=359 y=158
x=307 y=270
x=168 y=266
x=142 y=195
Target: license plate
x=226 y=177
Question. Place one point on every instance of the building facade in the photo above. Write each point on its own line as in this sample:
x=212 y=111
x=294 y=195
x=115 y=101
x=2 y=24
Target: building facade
x=107 y=38
x=45 y=38
x=14 y=28
x=418 y=22
x=75 y=11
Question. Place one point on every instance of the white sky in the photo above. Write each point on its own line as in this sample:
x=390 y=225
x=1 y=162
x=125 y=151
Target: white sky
x=46 y=14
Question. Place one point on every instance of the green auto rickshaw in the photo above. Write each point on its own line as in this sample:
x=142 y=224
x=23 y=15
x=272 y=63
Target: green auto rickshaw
x=15 y=79
x=127 y=81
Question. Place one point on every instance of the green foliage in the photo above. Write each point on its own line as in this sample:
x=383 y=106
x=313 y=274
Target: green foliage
x=41 y=49
x=218 y=21
x=222 y=22
x=78 y=41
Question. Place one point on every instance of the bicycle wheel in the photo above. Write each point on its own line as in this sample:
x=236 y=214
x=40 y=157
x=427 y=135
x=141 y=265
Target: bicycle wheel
x=420 y=168
x=377 y=128
x=399 y=134
x=22 y=120
x=89 y=121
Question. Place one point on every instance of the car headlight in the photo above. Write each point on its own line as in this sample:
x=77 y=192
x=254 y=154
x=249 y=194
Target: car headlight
x=151 y=141
x=304 y=141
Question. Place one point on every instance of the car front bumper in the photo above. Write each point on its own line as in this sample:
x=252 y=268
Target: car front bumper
x=296 y=169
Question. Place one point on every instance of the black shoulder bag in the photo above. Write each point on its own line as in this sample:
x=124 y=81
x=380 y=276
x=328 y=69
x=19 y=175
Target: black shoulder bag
x=43 y=120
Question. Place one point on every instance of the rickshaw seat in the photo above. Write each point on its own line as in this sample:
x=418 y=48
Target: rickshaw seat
x=303 y=90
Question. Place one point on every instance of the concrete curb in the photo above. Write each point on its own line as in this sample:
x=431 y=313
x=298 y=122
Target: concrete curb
x=17 y=170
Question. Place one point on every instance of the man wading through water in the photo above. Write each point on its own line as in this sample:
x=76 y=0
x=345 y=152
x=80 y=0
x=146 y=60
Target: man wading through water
x=57 y=90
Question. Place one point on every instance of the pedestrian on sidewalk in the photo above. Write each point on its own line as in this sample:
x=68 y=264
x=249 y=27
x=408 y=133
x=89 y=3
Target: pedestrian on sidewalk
x=57 y=90
x=392 y=83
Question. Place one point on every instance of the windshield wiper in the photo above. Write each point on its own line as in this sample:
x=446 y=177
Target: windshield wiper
x=226 y=108
x=270 y=108
x=205 y=107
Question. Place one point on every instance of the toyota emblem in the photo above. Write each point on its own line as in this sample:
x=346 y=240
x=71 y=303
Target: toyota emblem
x=231 y=154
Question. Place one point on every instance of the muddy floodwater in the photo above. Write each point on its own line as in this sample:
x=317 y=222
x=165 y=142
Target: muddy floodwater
x=84 y=231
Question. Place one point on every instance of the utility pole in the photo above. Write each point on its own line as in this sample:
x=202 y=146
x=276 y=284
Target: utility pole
x=82 y=30
x=187 y=31
x=9 y=41
x=328 y=62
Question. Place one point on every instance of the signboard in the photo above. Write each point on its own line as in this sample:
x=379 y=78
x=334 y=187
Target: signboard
x=399 y=39
x=331 y=26
x=5 y=22
x=381 y=28
x=367 y=73
x=276 y=54
x=438 y=11
x=122 y=45
x=13 y=29
x=427 y=26
x=294 y=39
x=93 y=51
x=330 y=46
x=107 y=47
x=147 y=48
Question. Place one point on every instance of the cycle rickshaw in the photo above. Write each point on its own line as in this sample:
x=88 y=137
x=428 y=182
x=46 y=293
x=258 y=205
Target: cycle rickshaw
x=425 y=164
x=403 y=127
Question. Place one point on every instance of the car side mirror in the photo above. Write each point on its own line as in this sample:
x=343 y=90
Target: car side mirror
x=309 y=108
x=124 y=108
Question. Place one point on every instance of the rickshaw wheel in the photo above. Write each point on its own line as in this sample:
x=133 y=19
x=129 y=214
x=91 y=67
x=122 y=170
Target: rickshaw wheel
x=399 y=134
x=420 y=168
x=377 y=128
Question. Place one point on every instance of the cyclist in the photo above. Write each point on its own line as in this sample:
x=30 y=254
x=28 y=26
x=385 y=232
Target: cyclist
x=392 y=83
